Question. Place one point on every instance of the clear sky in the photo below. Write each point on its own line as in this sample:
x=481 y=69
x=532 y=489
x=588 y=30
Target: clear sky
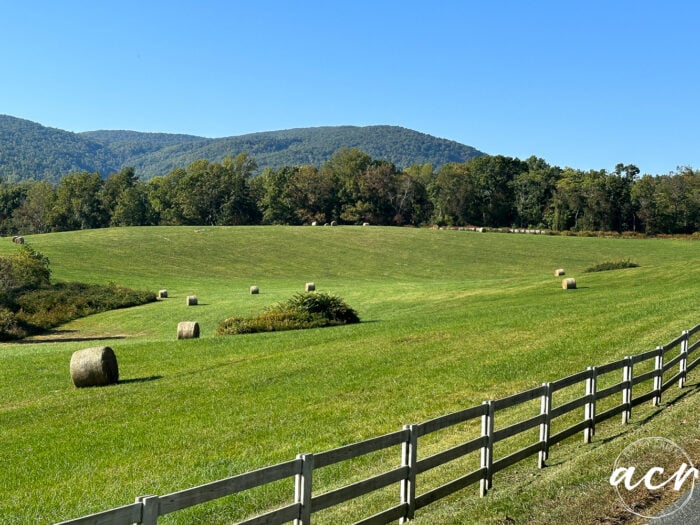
x=585 y=84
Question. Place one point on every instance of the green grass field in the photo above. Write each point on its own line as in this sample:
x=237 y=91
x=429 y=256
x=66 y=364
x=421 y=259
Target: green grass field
x=449 y=319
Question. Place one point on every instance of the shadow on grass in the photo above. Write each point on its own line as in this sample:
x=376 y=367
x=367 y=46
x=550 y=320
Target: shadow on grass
x=64 y=336
x=139 y=380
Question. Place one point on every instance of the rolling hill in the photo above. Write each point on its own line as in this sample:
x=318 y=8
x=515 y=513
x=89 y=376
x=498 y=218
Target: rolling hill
x=29 y=150
x=449 y=319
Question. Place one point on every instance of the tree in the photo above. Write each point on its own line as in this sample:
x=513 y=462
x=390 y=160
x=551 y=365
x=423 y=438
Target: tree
x=495 y=175
x=618 y=187
x=239 y=205
x=678 y=201
x=345 y=168
x=455 y=196
x=313 y=195
x=375 y=195
x=568 y=201
x=420 y=180
x=114 y=187
x=411 y=202
x=217 y=194
x=532 y=192
x=163 y=198
x=133 y=207
x=11 y=197
x=274 y=198
x=34 y=215
x=78 y=204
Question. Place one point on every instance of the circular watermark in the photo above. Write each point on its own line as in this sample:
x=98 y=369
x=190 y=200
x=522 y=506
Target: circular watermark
x=647 y=470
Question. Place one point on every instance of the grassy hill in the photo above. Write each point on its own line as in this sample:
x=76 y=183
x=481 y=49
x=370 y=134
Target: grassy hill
x=450 y=318
x=32 y=151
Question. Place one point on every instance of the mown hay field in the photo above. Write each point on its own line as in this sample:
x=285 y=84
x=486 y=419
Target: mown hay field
x=449 y=319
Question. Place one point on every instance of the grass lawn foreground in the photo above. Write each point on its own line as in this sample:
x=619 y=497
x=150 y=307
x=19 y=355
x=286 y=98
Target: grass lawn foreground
x=449 y=319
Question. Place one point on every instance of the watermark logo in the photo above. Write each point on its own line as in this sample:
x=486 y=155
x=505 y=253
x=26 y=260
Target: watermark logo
x=647 y=469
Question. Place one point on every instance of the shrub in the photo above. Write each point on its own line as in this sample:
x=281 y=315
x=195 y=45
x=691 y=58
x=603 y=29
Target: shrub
x=26 y=269
x=321 y=305
x=48 y=307
x=29 y=303
x=9 y=328
x=301 y=311
x=611 y=265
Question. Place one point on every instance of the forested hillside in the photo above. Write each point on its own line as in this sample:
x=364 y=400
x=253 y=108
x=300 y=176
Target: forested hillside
x=152 y=154
x=31 y=151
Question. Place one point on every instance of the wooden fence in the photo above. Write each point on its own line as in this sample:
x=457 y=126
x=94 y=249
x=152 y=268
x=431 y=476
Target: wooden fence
x=652 y=369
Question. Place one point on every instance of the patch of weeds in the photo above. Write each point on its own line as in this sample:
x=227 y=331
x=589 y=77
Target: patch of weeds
x=612 y=265
x=38 y=310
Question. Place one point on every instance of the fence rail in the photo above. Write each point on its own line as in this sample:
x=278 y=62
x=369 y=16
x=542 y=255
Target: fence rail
x=147 y=509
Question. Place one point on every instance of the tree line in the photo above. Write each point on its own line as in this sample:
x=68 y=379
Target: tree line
x=353 y=188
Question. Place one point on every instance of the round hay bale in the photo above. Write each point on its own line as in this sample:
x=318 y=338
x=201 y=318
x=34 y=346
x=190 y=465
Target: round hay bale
x=569 y=284
x=191 y=300
x=254 y=290
x=333 y=223
x=559 y=272
x=95 y=366
x=188 y=330
x=162 y=294
x=18 y=240
x=310 y=287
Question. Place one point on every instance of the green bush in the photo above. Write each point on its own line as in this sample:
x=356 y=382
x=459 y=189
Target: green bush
x=611 y=265
x=302 y=311
x=26 y=269
x=9 y=327
x=29 y=302
x=319 y=305
x=48 y=307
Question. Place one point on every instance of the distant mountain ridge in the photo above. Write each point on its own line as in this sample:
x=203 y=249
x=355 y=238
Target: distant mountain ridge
x=29 y=150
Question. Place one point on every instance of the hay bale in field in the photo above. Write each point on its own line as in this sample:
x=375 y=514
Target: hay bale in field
x=365 y=224
x=333 y=223
x=188 y=330
x=310 y=287
x=18 y=239
x=191 y=300
x=569 y=284
x=559 y=272
x=162 y=294
x=95 y=366
x=254 y=290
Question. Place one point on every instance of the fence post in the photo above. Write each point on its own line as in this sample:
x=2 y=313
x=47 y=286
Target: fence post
x=487 y=448
x=627 y=390
x=659 y=377
x=150 y=509
x=302 y=489
x=409 y=457
x=545 y=408
x=589 y=407
x=683 y=366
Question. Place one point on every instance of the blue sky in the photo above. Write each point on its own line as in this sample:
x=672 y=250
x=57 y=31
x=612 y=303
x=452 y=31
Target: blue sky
x=580 y=84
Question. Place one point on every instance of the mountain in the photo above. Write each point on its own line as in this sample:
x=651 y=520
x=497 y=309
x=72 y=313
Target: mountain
x=31 y=151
